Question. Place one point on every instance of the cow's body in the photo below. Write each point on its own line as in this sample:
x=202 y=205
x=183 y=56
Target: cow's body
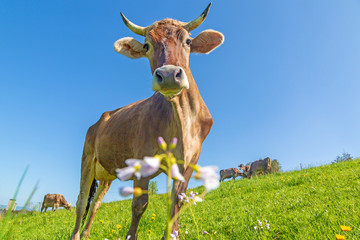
x=261 y=165
x=175 y=110
x=230 y=173
x=54 y=201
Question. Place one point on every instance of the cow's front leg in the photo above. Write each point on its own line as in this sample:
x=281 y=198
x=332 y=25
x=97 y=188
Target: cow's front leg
x=139 y=205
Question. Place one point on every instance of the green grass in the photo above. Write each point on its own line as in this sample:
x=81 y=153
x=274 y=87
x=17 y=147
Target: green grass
x=307 y=204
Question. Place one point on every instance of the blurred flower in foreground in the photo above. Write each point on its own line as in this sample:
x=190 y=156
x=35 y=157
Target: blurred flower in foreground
x=126 y=191
x=134 y=166
x=208 y=175
x=345 y=228
x=174 y=234
x=162 y=143
x=192 y=196
x=173 y=143
x=139 y=168
x=149 y=166
x=182 y=197
x=175 y=173
x=197 y=199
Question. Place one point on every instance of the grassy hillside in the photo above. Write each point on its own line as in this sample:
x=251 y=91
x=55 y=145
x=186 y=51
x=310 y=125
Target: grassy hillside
x=307 y=204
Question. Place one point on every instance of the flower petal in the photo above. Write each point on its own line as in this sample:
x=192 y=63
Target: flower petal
x=137 y=175
x=175 y=173
x=125 y=173
x=211 y=183
x=132 y=162
x=149 y=166
x=126 y=191
x=208 y=170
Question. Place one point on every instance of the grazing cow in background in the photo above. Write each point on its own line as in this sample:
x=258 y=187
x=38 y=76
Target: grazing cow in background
x=246 y=169
x=256 y=166
x=54 y=201
x=230 y=173
x=176 y=109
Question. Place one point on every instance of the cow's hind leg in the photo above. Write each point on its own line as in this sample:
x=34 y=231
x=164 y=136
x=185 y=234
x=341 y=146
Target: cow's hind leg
x=95 y=204
x=87 y=177
x=139 y=205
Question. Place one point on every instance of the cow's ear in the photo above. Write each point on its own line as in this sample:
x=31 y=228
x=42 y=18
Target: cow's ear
x=207 y=41
x=129 y=47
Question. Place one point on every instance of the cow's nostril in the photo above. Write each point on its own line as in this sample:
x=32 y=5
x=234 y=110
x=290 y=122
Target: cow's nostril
x=159 y=77
x=178 y=74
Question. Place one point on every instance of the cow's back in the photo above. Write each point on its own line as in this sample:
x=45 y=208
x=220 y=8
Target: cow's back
x=49 y=200
x=256 y=165
x=227 y=172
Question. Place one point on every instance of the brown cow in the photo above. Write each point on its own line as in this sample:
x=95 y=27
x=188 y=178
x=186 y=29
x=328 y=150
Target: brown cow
x=54 y=201
x=256 y=166
x=230 y=173
x=175 y=110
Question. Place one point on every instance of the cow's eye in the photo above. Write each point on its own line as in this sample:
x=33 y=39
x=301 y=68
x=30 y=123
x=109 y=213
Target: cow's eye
x=146 y=46
x=188 y=41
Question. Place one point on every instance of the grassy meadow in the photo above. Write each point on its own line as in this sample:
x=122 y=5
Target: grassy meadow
x=309 y=204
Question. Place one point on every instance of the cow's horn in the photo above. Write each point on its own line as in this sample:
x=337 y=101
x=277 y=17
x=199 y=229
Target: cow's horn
x=198 y=21
x=133 y=27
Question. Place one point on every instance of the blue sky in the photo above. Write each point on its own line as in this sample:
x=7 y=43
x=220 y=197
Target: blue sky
x=284 y=84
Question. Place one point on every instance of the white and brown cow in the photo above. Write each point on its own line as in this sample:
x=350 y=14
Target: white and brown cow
x=54 y=201
x=176 y=109
x=230 y=173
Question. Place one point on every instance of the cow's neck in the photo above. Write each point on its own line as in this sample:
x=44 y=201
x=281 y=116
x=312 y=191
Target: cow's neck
x=191 y=112
x=188 y=103
x=185 y=117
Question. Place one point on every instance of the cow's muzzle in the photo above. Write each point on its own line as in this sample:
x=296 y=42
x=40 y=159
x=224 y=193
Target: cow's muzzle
x=169 y=80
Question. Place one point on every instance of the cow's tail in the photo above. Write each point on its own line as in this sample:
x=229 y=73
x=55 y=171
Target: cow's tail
x=90 y=198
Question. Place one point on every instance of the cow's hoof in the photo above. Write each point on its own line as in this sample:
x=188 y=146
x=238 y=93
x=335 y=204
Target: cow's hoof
x=75 y=237
x=85 y=235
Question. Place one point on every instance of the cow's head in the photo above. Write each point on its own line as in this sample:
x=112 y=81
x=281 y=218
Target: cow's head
x=68 y=206
x=168 y=46
x=242 y=167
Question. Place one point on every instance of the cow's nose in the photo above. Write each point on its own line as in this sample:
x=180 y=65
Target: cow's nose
x=168 y=74
x=169 y=77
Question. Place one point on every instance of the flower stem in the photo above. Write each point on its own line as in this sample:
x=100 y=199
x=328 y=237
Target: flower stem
x=169 y=202
x=184 y=207
x=197 y=228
